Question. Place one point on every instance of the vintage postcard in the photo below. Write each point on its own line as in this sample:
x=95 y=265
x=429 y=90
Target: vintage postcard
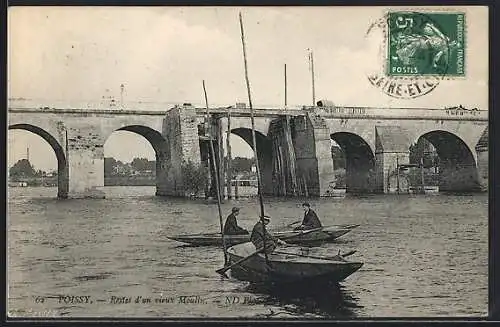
x=247 y=162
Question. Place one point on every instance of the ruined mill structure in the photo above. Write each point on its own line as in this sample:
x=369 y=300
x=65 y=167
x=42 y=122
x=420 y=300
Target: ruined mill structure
x=293 y=145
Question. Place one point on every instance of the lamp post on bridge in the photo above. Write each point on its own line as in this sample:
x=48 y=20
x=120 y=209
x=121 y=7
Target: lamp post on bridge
x=311 y=66
x=122 y=88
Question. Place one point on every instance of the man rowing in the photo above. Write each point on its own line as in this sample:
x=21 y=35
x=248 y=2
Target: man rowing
x=311 y=220
x=260 y=235
x=231 y=226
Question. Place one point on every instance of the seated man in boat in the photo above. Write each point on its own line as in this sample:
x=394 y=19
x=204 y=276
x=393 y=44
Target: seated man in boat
x=311 y=220
x=231 y=226
x=260 y=235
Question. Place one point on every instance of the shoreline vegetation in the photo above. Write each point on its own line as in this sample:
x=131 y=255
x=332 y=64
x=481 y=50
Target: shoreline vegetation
x=142 y=172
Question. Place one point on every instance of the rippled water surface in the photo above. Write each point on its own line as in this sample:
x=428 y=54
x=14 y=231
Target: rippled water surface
x=423 y=255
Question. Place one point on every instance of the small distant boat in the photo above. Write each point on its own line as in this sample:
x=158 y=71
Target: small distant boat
x=283 y=267
x=305 y=237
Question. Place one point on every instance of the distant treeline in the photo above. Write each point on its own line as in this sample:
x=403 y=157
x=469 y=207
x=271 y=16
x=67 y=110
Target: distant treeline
x=138 y=166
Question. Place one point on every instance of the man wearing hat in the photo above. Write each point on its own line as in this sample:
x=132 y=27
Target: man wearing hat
x=311 y=220
x=231 y=226
x=260 y=236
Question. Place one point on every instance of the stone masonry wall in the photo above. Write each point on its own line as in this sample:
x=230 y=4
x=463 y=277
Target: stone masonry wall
x=391 y=150
x=189 y=135
x=482 y=167
x=388 y=166
x=167 y=182
x=181 y=130
x=85 y=156
x=482 y=160
x=457 y=177
x=307 y=165
x=312 y=144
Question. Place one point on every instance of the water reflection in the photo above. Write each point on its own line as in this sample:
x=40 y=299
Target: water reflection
x=329 y=301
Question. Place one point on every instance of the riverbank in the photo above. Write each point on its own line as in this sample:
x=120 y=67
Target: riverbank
x=130 y=181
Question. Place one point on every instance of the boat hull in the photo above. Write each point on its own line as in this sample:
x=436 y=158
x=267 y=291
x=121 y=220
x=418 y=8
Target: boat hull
x=326 y=234
x=211 y=239
x=284 y=269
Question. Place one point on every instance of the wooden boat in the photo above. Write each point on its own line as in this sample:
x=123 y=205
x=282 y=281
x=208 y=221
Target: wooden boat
x=279 y=267
x=210 y=239
x=284 y=267
x=315 y=237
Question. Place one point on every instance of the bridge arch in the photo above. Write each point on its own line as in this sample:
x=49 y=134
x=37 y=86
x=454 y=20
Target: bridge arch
x=264 y=154
x=62 y=164
x=158 y=142
x=261 y=124
x=359 y=161
x=160 y=146
x=457 y=162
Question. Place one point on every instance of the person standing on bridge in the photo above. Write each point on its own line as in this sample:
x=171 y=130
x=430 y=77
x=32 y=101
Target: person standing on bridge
x=311 y=220
x=231 y=226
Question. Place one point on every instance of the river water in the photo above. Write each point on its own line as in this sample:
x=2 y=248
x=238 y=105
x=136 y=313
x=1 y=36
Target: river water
x=424 y=256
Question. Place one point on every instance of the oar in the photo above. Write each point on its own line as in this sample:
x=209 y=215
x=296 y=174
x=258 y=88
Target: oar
x=299 y=232
x=289 y=225
x=278 y=228
x=294 y=223
x=348 y=253
x=223 y=270
x=315 y=257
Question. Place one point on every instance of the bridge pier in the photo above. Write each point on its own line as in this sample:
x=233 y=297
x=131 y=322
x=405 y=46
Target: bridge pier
x=391 y=150
x=360 y=178
x=162 y=168
x=313 y=156
x=266 y=169
x=455 y=176
x=180 y=130
x=482 y=161
x=388 y=179
x=85 y=164
x=62 y=180
x=283 y=158
x=86 y=175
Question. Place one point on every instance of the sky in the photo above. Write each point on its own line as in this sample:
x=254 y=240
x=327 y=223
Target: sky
x=161 y=54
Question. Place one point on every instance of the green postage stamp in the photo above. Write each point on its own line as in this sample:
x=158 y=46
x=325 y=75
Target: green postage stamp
x=426 y=44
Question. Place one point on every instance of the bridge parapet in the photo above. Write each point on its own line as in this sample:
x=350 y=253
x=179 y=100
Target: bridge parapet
x=451 y=113
x=104 y=104
x=454 y=113
x=259 y=112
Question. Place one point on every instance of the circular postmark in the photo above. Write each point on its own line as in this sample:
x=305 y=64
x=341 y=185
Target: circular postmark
x=413 y=56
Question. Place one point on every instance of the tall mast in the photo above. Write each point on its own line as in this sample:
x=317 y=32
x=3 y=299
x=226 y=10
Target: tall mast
x=259 y=181
x=286 y=100
x=311 y=61
x=229 y=155
x=214 y=163
x=122 y=87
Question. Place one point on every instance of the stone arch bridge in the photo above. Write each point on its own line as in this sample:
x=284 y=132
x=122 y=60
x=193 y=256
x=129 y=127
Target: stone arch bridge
x=293 y=145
